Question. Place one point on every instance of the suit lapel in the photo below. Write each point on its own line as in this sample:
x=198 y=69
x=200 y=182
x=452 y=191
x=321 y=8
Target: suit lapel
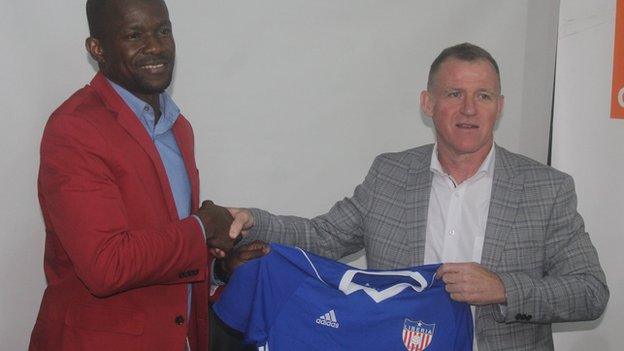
x=185 y=143
x=418 y=189
x=128 y=120
x=507 y=188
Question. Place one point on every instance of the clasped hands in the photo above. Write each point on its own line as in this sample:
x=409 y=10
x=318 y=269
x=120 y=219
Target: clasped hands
x=224 y=228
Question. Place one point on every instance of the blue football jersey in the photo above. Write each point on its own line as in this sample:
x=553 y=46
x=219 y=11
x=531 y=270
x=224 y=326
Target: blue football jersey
x=294 y=300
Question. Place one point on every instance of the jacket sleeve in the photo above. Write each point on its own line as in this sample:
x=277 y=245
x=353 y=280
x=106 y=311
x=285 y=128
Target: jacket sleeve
x=335 y=234
x=573 y=286
x=85 y=208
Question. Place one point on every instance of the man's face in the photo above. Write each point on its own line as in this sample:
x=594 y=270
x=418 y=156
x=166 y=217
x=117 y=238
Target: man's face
x=464 y=103
x=137 y=50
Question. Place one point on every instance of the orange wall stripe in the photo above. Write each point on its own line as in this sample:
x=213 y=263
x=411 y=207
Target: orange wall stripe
x=617 y=90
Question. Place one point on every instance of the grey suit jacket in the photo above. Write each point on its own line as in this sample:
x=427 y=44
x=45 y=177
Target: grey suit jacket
x=535 y=241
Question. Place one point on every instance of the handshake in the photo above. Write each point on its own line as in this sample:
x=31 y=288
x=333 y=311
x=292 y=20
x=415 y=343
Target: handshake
x=224 y=228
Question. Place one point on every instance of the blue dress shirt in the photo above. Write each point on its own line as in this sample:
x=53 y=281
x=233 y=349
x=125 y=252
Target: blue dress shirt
x=164 y=140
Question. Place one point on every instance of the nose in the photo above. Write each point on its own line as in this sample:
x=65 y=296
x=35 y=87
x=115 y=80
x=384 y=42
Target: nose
x=469 y=107
x=153 y=44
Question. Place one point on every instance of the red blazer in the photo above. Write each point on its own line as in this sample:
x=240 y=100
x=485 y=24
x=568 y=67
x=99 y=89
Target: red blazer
x=117 y=259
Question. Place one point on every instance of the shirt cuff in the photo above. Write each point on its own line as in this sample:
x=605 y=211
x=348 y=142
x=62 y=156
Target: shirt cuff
x=201 y=225
x=503 y=310
x=214 y=281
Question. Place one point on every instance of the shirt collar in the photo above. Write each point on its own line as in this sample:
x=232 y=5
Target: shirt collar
x=486 y=168
x=169 y=110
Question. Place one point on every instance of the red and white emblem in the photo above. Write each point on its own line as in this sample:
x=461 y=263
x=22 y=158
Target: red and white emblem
x=417 y=336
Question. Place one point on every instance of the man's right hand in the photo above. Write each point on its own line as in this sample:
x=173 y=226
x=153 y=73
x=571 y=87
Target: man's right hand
x=242 y=221
x=217 y=222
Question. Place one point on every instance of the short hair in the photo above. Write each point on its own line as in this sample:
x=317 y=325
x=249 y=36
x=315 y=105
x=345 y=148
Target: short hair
x=96 y=16
x=464 y=52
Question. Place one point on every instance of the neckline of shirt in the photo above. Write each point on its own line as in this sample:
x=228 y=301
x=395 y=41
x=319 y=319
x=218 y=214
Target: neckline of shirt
x=485 y=169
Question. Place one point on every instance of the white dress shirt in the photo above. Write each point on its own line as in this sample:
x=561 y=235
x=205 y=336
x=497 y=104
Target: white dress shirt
x=457 y=215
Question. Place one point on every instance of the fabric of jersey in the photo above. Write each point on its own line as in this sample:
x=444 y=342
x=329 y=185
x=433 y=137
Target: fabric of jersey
x=294 y=300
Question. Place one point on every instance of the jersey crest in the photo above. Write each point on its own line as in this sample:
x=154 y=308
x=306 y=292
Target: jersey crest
x=417 y=335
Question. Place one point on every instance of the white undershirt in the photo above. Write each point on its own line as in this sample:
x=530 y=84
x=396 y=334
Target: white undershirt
x=457 y=214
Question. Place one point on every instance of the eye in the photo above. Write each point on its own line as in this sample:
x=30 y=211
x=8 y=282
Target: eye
x=485 y=96
x=164 y=31
x=133 y=36
x=454 y=94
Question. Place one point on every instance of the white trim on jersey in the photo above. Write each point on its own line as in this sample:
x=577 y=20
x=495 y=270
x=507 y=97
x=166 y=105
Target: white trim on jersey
x=312 y=265
x=348 y=286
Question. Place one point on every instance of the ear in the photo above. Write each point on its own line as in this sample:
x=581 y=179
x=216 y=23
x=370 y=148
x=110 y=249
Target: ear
x=95 y=49
x=501 y=105
x=426 y=103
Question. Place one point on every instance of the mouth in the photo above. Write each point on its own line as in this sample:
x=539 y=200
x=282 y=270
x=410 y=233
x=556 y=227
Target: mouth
x=154 y=67
x=466 y=126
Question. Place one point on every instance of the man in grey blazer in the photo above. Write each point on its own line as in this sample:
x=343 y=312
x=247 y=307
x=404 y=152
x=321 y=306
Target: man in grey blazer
x=505 y=227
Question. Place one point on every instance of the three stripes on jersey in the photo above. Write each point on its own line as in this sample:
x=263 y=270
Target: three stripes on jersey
x=328 y=319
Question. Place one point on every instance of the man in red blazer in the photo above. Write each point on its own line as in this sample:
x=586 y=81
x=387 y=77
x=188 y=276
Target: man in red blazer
x=126 y=255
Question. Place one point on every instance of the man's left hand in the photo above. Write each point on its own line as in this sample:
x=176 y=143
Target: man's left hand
x=472 y=283
x=239 y=255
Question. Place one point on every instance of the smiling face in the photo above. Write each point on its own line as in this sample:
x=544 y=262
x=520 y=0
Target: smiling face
x=464 y=102
x=136 y=48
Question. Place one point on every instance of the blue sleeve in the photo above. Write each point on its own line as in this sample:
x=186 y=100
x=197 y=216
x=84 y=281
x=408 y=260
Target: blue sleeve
x=235 y=303
x=255 y=294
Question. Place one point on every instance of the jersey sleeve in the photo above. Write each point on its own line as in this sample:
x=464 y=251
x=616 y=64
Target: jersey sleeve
x=255 y=295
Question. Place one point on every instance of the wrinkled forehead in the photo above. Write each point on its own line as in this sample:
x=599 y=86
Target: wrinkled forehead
x=118 y=12
x=455 y=73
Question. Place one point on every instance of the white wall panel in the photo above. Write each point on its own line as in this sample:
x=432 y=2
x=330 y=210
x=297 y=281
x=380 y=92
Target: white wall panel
x=290 y=100
x=590 y=146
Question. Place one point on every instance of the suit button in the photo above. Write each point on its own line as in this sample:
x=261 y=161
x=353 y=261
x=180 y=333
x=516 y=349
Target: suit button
x=179 y=320
x=528 y=318
x=518 y=317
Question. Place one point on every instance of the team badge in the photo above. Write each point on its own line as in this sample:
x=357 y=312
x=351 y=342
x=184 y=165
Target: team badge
x=417 y=336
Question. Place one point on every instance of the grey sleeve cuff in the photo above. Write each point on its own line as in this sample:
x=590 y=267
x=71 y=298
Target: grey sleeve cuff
x=214 y=281
x=505 y=313
x=261 y=222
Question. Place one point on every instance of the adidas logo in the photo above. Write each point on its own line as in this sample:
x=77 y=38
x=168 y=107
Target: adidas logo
x=328 y=319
